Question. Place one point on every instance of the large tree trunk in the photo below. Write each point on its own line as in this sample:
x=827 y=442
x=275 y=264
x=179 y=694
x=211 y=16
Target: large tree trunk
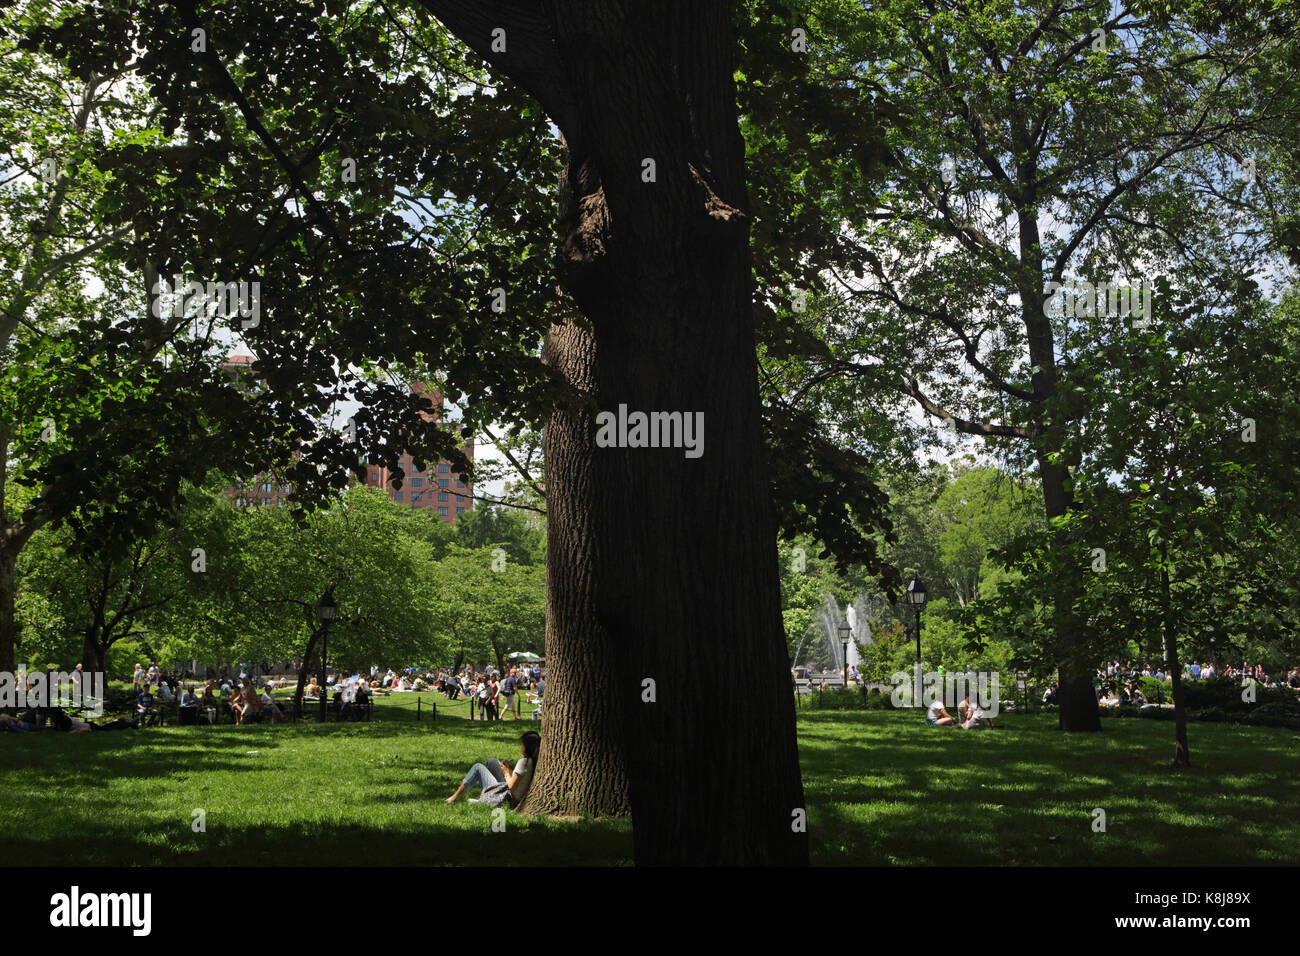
x=581 y=767
x=1182 y=755
x=686 y=580
x=8 y=618
x=682 y=550
x=94 y=656
x=1076 y=698
x=302 y=672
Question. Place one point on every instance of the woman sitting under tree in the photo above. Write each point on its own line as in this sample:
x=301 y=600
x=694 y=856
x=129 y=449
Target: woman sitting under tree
x=498 y=782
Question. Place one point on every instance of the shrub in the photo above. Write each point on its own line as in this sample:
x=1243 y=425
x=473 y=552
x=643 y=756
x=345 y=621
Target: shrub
x=846 y=698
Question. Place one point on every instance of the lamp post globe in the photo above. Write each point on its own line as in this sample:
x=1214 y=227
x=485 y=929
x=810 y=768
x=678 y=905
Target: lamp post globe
x=916 y=598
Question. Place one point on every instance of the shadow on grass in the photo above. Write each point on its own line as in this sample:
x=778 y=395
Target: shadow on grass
x=880 y=789
x=1026 y=794
x=523 y=841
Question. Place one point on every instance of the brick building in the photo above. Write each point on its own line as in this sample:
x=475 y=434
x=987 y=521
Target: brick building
x=437 y=489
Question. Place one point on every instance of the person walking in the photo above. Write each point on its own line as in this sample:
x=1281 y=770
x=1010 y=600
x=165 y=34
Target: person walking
x=508 y=692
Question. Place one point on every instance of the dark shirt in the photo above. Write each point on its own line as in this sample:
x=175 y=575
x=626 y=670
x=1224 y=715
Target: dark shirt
x=144 y=702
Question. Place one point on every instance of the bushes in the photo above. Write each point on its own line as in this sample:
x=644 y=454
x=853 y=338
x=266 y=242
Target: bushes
x=1277 y=713
x=1225 y=693
x=1217 y=700
x=845 y=698
x=1156 y=692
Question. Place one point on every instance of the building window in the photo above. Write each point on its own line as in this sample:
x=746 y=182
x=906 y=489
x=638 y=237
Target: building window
x=266 y=486
x=397 y=496
x=459 y=483
x=442 y=512
x=284 y=489
x=444 y=468
x=374 y=478
x=417 y=482
x=266 y=501
x=442 y=496
x=415 y=495
x=442 y=482
x=460 y=497
x=460 y=511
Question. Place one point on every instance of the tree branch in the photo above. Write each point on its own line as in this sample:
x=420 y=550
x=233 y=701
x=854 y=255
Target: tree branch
x=530 y=56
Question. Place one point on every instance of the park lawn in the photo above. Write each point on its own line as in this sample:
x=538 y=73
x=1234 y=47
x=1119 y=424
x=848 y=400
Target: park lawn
x=881 y=788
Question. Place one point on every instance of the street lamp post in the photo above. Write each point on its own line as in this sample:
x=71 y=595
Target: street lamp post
x=916 y=598
x=326 y=611
x=845 y=632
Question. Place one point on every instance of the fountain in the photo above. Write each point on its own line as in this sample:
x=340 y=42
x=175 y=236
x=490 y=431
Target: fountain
x=820 y=650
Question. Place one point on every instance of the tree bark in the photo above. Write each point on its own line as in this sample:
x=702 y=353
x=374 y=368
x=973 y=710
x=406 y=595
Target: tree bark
x=1182 y=755
x=94 y=657
x=686 y=578
x=302 y=672
x=1076 y=698
x=8 y=617
x=581 y=766
x=673 y=559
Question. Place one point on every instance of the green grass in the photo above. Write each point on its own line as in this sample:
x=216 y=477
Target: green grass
x=884 y=788
x=881 y=788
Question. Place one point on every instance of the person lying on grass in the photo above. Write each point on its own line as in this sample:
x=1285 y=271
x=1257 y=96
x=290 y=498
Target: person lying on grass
x=16 y=726
x=498 y=782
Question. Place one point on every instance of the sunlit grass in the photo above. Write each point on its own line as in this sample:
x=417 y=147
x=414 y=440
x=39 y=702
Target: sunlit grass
x=881 y=788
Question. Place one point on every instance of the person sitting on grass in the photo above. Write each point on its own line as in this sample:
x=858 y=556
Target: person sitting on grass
x=252 y=704
x=937 y=716
x=269 y=706
x=145 y=709
x=498 y=782
x=977 y=720
x=240 y=704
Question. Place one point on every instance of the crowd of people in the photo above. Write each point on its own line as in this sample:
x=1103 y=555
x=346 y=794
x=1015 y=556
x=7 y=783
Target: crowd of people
x=1124 y=672
x=497 y=694
x=1118 y=683
x=493 y=694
